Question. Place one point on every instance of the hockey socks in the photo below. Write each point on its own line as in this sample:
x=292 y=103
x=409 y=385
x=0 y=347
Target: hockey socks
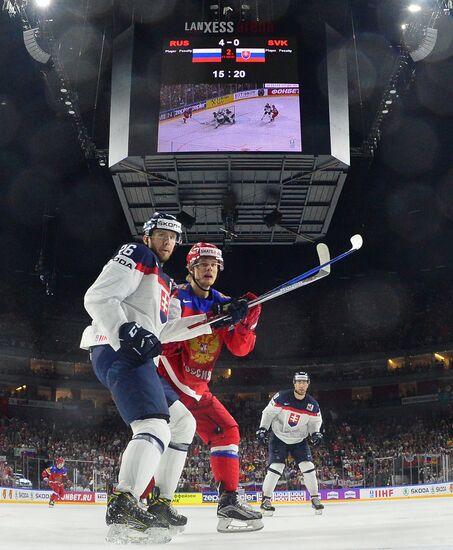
x=274 y=472
x=170 y=469
x=225 y=466
x=142 y=455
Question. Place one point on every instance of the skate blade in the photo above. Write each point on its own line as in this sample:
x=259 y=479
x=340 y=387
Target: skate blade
x=123 y=534
x=230 y=525
x=318 y=512
x=267 y=513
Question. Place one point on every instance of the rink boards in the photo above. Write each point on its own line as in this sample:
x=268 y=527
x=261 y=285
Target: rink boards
x=13 y=495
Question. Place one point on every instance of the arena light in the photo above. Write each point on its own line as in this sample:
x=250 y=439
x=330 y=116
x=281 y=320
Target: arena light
x=33 y=48
x=42 y=3
x=426 y=46
x=186 y=219
x=414 y=8
x=273 y=218
x=404 y=26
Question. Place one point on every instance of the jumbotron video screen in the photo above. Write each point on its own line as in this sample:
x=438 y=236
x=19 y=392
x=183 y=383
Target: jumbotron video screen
x=229 y=94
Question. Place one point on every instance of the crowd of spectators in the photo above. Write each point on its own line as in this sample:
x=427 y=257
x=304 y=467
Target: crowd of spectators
x=180 y=95
x=358 y=451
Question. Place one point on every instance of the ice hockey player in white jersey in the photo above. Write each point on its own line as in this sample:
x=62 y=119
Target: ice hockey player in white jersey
x=129 y=304
x=267 y=112
x=229 y=116
x=294 y=420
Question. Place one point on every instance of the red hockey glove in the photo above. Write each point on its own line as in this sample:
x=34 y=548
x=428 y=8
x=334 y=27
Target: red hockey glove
x=253 y=314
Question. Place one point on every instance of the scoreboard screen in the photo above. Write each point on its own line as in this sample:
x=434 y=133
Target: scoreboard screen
x=229 y=94
x=182 y=85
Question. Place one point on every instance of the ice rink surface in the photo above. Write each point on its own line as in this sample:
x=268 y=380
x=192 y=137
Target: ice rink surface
x=249 y=133
x=409 y=524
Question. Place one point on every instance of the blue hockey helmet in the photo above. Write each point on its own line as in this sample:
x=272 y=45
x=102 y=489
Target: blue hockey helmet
x=161 y=220
x=301 y=376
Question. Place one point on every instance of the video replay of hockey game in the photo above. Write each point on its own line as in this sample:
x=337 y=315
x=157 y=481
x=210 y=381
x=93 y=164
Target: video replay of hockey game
x=229 y=94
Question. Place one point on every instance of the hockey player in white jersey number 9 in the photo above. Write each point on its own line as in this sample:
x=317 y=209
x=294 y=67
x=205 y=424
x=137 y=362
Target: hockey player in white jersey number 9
x=129 y=304
x=294 y=418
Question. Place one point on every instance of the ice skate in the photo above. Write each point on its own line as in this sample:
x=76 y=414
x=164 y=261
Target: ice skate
x=51 y=503
x=266 y=507
x=316 y=504
x=235 y=516
x=163 y=509
x=130 y=522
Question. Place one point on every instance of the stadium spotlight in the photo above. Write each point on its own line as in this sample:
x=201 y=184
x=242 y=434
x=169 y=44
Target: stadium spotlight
x=186 y=219
x=414 y=8
x=427 y=45
x=273 y=218
x=43 y=3
x=33 y=47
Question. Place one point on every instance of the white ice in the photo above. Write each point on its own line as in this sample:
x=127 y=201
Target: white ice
x=249 y=133
x=374 y=525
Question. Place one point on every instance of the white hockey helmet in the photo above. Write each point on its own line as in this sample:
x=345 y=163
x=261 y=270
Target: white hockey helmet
x=161 y=220
x=301 y=376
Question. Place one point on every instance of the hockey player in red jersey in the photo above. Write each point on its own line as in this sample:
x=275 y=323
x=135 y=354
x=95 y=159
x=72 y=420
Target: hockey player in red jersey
x=188 y=366
x=274 y=113
x=56 y=476
x=187 y=114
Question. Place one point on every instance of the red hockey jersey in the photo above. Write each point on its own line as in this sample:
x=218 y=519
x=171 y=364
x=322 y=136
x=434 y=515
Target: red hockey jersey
x=188 y=365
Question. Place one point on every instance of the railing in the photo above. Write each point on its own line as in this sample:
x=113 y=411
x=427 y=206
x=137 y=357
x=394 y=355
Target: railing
x=84 y=475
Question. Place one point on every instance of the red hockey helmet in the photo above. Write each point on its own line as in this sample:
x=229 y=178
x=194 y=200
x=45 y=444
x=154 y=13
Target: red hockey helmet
x=204 y=249
x=59 y=462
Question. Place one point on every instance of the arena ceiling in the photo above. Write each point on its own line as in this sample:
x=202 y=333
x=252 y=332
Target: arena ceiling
x=241 y=199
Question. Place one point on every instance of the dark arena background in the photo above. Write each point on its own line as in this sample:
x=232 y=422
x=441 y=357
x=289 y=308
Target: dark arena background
x=111 y=110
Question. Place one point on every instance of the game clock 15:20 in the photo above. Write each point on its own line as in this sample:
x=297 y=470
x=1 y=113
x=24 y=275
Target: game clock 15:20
x=210 y=59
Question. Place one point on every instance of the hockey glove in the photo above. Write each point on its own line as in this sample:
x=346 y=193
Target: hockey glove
x=315 y=438
x=138 y=343
x=261 y=436
x=235 y=310
x=253 y=314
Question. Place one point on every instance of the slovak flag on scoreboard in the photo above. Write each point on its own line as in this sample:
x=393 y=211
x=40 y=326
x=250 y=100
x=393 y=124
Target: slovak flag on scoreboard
x=206 y=55
x=250 y=55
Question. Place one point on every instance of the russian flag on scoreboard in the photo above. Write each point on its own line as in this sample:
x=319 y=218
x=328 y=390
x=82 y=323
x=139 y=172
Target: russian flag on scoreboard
x=250 y=55
x=206 y=55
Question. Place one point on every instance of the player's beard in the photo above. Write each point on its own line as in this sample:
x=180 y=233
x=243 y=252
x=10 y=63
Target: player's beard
x=301 y=393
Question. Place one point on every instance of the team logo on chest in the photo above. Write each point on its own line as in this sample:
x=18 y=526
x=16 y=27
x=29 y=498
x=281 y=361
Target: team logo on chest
x=293 y=419
x=163 y=306
x=204 y=348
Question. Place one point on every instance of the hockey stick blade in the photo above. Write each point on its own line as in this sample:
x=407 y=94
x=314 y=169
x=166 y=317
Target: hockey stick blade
x=356 y=241
x=311 y=276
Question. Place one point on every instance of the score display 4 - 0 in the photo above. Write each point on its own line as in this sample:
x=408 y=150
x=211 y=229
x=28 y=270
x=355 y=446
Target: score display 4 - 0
x=229 y=74
x=208 y=59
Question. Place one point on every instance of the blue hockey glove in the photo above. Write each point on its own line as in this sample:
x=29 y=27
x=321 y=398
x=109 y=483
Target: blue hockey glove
x=261 y=436
x=315 y=439
x=236 y=310
x=138 y=343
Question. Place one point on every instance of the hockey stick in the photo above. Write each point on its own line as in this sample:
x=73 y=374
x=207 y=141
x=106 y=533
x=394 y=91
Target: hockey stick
x=311 y=276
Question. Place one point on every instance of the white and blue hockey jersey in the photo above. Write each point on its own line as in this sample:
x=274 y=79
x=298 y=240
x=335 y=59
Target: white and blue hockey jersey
x=291 y=419
x=133 y=287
